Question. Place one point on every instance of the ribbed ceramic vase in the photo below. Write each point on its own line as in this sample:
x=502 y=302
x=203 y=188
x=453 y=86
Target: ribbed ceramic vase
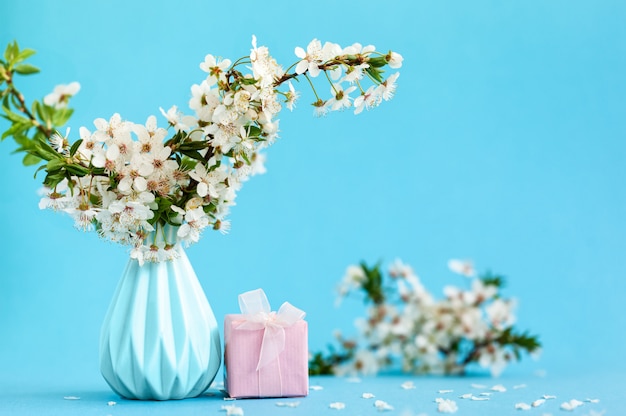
x=160 y=339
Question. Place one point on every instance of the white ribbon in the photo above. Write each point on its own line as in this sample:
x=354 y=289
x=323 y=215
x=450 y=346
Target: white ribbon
x=258 y=315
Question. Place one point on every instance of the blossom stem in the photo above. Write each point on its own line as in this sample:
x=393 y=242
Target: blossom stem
x=360 y=87
x=331 y=82
x=22 y=107
x=312 y=86
x=240 y=61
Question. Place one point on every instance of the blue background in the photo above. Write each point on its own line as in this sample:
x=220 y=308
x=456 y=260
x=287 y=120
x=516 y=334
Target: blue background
x=505 y=144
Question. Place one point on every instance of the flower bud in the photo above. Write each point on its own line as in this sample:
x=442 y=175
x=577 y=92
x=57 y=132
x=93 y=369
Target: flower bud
x=394 y=59
x=193 y=203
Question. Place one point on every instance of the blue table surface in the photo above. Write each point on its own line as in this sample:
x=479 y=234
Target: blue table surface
x=601 y=394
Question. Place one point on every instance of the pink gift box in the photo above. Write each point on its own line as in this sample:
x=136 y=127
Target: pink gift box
x=284 y=370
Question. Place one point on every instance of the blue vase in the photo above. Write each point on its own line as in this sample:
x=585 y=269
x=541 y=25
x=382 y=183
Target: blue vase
x=160 y=339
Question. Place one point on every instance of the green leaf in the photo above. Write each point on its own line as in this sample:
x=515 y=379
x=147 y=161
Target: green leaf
x=53 y=179
x=26 y=144
x=248 y=81
x=30 y=160
x=75 y=147
x=319 y=365
x=70 y=185
x=254 y=131
x=187 y=164
x=45 y=114
x=11 y=52
x=373 y=284
x=61 y=116
x=523 y=341
x=33 y=107
x=94 y=199
x=246 y=158
x=77 y=170
x=39 y=169
x=16 y=118
x=14 y=129
x=45 y=151
x=164 y=205
x=40 y=110
x=54 y=165
x=98 y=171
x=194 y=154
x=490 y=279
x=193 y=145
x=377 y=62
x=375 y=74
x=324 y=364
x=26 y=69
x=25 y=54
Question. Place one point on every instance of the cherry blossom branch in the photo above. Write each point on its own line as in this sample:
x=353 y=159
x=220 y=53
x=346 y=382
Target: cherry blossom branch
x=429 y=336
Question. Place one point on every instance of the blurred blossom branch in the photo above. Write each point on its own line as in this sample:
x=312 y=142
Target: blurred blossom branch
x=127 y=180
x=406 y=327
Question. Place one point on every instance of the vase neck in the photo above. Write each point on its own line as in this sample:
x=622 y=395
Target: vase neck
x=163 y=234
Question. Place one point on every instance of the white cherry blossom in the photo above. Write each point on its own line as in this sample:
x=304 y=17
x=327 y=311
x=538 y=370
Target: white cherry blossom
x=216 y=69
x=311 y=59
x=195 y=221
x=341 y=98
x=394 y=60
x=61 y=94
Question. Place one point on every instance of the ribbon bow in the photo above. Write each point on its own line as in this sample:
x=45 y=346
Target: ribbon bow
x=258 y=315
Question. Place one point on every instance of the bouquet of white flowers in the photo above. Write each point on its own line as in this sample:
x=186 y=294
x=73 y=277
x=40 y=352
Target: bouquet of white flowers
x=406 y=327
x=127 y=180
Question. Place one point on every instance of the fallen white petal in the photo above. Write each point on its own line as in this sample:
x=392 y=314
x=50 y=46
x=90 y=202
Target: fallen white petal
x=382 y=405
x=486 y=393
x=368 y=396
x=287 y=404
x=71 y=398
x=548 y=397
x=538 y=402
x=316 y=388
x=593 y=400
x=571 y=405
x=475 y=398
x=466 y=396
x=446 y=405
x=478 y=386
x=522 y=406
x=228 y=399
x=445 y=391
x=337 y=405
x=232 y=410
x=112 y=403
x=499 y=387
x=408 y=385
